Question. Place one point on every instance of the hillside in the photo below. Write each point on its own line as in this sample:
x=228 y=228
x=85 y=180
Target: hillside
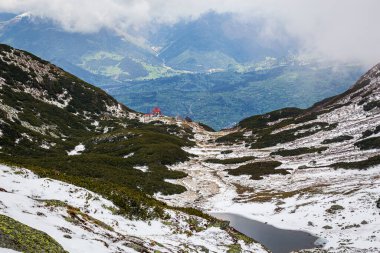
x=222 y=99
x=60 y=128
x=314 y=169
x=100 y=57
x=81 y=170
x=217 y=41
x=221 y=67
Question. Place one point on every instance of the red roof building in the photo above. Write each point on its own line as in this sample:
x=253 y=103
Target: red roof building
x=156 y=111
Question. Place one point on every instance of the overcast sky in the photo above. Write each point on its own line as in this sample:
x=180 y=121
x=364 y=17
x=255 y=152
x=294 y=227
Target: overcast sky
x=345 y=30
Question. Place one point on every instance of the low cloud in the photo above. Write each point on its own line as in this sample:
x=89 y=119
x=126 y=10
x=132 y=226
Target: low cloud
x=343 y=30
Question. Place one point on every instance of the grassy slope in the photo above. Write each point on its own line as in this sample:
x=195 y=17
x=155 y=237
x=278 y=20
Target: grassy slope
x=101 y=168
x=20 y=237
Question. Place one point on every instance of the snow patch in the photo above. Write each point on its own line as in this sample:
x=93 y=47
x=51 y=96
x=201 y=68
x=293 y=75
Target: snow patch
x=116 y=110
x=129 y=155
x=77 y=150
x=25 y=201
x=142 y=168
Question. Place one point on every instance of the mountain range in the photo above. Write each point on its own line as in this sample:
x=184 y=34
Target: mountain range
x=62 y=128
x=216 y=59
x=81 y=170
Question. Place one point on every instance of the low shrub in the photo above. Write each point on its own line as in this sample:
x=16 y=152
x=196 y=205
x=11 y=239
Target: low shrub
x=258 y=169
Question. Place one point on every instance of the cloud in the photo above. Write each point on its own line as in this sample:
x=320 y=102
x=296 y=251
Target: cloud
x=344 y=30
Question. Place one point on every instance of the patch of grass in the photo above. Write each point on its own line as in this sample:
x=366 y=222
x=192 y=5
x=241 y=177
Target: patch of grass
x=20 y=237
x=234 y=248
x=299 y=151
x=258 y=169
x=371 y=105
x=54 y=203
x=261 y=121
x=338 y=139
x=75 y=215
x=194 y=224
x=267 y=196
x=370 y=132
x=78 y=216
x=231 y=138
x=361 y=165
x=370 y=143
x=232 y=160
x=267 y=139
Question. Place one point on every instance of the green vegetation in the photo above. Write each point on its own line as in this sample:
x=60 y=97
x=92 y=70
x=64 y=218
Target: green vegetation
x=370 y=143
x=234 y=248
x=39 y=136
x=338 y=139
x=371 y=105
x=75 y=215
x=267 y=139
x=263 y=126
x=20 y=237
x=232 y=138
x=369 y=132
x=261 y=121
x=361 y=165
x=221 y=99
x=298 y=151
x=258 y=169
x=231 y=160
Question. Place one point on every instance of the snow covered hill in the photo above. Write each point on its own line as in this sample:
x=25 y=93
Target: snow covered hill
x=316 y=170
x=70 y=134
x=83 y=221
x=83 y=173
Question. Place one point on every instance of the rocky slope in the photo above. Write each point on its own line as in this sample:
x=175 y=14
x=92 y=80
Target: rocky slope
x=99 y=178
x=92 y=167
x=315 y=170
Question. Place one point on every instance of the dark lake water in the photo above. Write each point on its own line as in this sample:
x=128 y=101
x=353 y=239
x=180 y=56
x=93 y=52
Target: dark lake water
x=275 y=239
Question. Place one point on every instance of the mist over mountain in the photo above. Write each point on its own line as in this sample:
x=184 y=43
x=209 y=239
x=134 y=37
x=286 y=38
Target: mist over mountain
x=189 y=126
x=79 y=170
x=144 y=73
x=217 y=41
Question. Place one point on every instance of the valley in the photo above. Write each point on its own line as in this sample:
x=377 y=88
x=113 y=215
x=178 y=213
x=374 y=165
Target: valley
x=169 y=126
x=300 y=200
x=295 y=180
x=204 y=68
x=80 y=169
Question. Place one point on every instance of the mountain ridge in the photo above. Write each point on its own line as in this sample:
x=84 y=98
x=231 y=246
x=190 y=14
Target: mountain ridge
x=314 y=169
x=79 y=170
x=167 y=174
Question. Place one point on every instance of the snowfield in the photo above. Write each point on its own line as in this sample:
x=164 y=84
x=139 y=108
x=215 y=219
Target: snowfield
x=336 y=205
x=300 y=200
x=28 y=199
